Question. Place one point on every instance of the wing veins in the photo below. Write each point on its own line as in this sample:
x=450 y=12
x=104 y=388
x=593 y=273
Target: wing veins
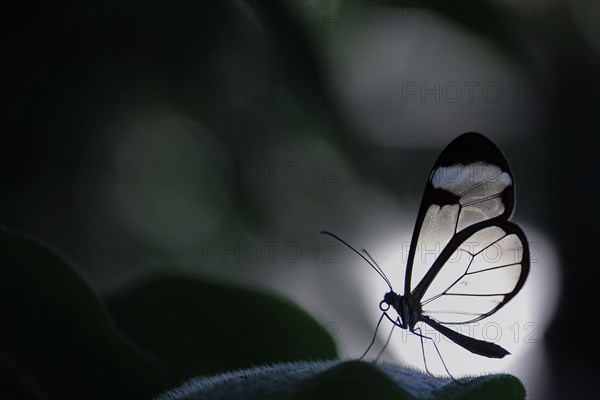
x=493 y=268
x=460 y=207
x=454 y=312
x=484 y=199
x=437 y=296
x=453 y=283
x=491 y=244
x=476 y=294
x=473 y=187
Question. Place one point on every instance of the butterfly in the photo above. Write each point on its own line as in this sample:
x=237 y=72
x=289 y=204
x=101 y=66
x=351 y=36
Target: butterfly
x=466 y=259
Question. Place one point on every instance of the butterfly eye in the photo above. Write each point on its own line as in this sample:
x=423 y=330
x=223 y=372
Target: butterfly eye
x=384 y=305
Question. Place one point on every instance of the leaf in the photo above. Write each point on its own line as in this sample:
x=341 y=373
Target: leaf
x=56 y=338
x=195 y=327
x=490 y=387
x=343 y=380
x=350 y=380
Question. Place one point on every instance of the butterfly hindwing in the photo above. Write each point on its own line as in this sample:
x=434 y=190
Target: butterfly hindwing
x=487 y=268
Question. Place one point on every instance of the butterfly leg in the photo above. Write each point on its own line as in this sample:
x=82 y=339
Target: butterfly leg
x=386 y=342
x=438 y=352
x=423 y=349
x=374 y=336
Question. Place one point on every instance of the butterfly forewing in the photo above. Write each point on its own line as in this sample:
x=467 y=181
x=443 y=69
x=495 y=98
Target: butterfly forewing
x=470 y=183
x=466 y=259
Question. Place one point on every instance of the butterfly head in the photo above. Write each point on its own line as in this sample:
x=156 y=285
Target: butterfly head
x=390 y=299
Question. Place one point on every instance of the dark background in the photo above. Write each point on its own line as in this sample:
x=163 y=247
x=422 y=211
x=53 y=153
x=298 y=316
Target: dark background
x=115 y=117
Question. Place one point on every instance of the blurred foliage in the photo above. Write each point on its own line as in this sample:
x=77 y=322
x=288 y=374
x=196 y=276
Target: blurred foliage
x=488 y=19
x=56 y=339
x=200 y=328
x=344 y=380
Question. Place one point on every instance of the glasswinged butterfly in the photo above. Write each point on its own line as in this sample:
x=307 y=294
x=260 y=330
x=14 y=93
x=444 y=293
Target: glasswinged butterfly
x=481 y=258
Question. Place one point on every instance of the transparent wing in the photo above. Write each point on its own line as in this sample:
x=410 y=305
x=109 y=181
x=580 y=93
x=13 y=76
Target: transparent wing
x=486 y=269
x=470 y=183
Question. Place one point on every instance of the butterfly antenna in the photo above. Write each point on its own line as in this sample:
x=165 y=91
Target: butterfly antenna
x=377 y=265
x=362 y=256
